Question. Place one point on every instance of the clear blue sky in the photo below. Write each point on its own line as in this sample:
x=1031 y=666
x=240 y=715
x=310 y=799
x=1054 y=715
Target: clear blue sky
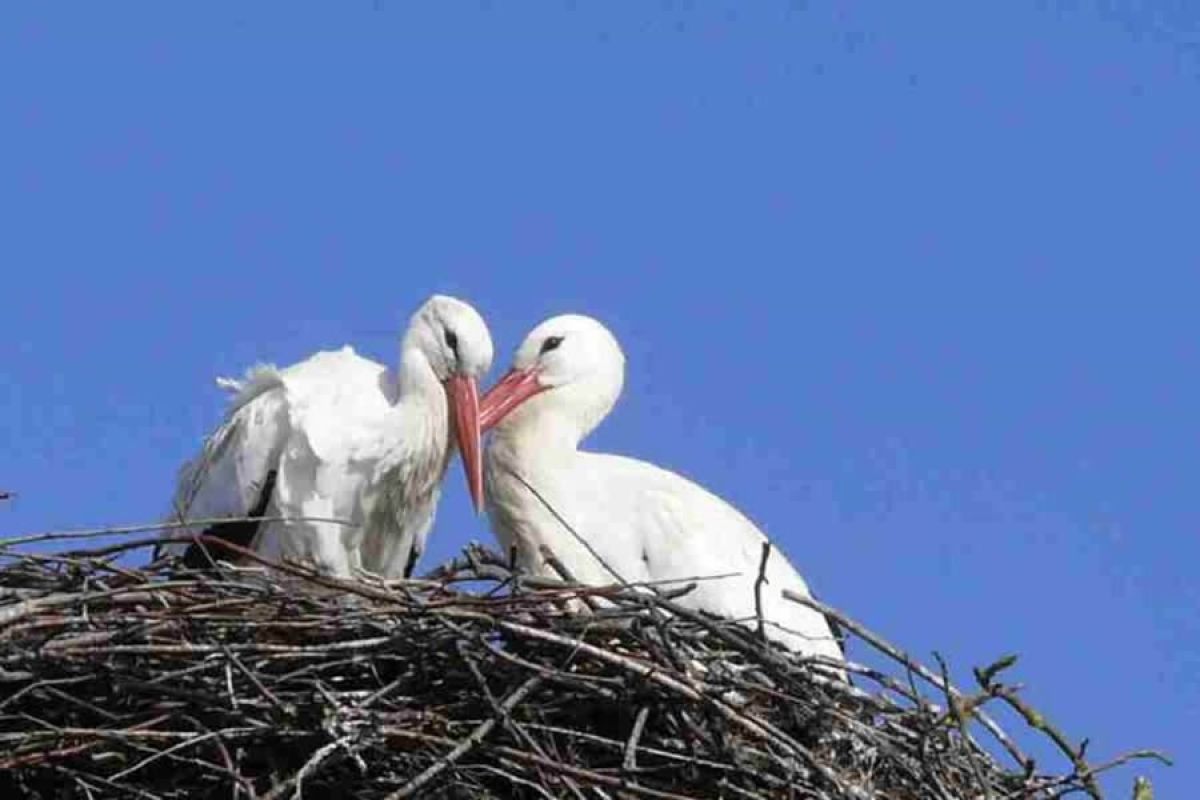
x=913 y=284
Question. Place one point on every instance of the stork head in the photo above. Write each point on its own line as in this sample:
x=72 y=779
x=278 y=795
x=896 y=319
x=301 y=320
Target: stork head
x=569 y=366
x=455 y=341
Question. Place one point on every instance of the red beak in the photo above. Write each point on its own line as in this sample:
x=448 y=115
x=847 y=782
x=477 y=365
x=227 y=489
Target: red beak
x=464 y=401
x=513 y=389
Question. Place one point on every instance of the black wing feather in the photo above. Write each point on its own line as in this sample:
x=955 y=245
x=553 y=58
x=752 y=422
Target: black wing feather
x=240 y=533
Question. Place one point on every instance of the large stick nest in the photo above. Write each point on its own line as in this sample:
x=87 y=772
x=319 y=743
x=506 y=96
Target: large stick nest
x=269 y=682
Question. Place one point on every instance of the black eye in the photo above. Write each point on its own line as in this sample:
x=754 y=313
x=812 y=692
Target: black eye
x=452 y=340
x=551 y=343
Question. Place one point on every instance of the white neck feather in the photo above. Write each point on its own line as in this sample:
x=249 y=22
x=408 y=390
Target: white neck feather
x=551 y=425
x=422 y=410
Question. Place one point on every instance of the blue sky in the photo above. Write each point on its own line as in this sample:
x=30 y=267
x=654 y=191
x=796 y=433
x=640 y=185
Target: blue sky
x=911 y=284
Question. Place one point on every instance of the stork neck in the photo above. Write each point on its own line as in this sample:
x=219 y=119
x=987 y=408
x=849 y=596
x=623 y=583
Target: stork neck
x=540 y=437
x=418 y=431
x=416 y=382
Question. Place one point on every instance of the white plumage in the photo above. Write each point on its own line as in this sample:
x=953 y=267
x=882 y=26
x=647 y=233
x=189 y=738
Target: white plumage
x=356 y=451
x=645 y=523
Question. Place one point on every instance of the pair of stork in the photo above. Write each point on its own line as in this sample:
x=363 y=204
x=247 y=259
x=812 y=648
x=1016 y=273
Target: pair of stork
x=344 y=459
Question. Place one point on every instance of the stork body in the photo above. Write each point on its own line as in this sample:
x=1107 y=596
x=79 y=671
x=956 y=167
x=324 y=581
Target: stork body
x=351 y=453
x=611 y=519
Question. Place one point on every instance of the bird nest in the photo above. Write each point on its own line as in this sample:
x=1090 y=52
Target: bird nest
x=268 y=681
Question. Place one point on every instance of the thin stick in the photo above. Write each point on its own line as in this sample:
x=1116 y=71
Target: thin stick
x=630 y=761
x=586 y=544
x=467 y=744
x=958 y=712
x=758 y=584
x=92 y=533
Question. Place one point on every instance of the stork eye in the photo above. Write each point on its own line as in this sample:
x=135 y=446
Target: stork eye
x=551 y=343
x=452 y=340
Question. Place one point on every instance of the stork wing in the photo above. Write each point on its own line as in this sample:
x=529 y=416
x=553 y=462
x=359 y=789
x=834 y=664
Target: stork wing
x=231 y=475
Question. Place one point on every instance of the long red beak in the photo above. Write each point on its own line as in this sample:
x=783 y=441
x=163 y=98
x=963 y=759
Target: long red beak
x=513 y=389
x=464 y=399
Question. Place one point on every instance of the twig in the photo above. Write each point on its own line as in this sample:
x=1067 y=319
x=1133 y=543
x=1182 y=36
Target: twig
x=758 y=584
x=475 y=737
x=586 y=544
x=630 y=761
x=92 y=533
x=314 y=762
x=959 y=711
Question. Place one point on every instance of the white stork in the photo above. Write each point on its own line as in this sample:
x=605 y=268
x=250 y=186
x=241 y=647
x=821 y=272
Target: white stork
x=358 y=453
x=629 y=521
